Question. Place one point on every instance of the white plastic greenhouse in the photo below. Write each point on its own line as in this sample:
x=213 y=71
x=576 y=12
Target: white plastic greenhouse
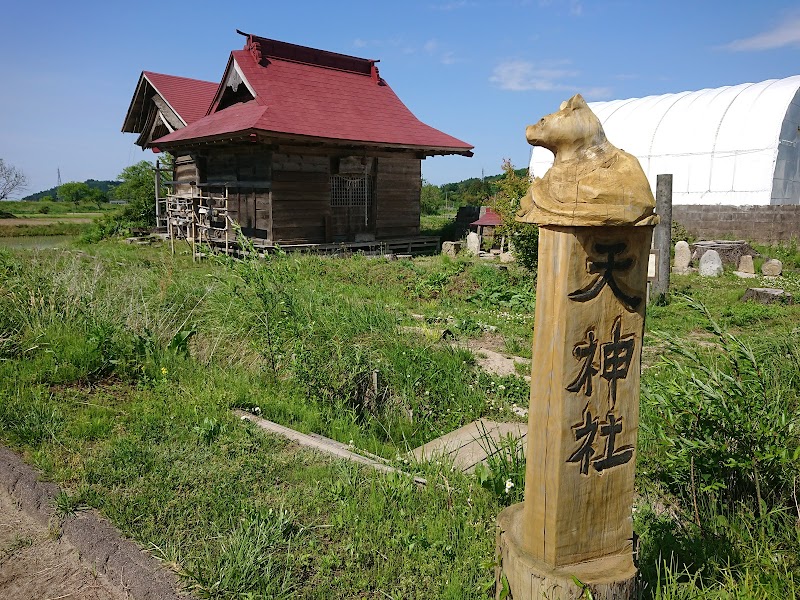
x=735 y=145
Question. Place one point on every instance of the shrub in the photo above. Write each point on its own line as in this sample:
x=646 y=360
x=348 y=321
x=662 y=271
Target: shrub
x=725 y=423
x=679 y=232
x=524 y=236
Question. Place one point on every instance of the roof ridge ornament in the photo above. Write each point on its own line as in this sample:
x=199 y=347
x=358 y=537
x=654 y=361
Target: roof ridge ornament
x=254 y=46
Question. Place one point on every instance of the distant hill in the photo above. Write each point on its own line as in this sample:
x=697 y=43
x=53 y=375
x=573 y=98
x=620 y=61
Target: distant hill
x=103 y=186
x=475 y=190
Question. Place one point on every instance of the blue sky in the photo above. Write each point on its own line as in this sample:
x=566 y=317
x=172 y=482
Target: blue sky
x=480 y=71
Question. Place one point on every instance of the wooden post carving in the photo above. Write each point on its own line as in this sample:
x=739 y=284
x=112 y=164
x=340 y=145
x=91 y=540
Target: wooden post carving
x=594 y=208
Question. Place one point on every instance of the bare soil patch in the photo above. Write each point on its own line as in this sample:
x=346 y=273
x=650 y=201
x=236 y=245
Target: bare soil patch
x=488 y=340
x=36 y=565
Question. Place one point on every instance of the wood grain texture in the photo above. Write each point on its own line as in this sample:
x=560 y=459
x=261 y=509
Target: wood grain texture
x=580 y=509
x=398 y=186
x=591 y=182
x=608 y=578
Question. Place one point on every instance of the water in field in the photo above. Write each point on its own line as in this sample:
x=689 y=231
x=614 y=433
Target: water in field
x=36 y=242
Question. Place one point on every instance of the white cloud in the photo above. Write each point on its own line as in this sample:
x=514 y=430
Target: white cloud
x=596 y=93
x=785 y=34
x=522 y=76
x=449 y=58
x=453 y=5
x=575 y=6
x=432 y=47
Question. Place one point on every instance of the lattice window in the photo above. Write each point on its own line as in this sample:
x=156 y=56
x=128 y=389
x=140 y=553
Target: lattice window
x=351 y=191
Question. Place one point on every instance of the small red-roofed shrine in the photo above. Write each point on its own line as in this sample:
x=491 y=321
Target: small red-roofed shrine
x=486 y=224
x=294 y=146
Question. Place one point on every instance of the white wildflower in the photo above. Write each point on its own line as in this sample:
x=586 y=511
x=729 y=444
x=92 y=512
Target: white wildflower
x=509 y=485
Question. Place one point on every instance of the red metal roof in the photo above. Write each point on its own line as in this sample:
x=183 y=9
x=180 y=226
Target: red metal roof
x=337 y=97
x=189 y=98
x=489 y=218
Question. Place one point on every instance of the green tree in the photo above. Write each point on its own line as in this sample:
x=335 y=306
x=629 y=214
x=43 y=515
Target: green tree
x=137 y=187
x=524 y=236
x=73 y=191
x=431 y=198
x=76 y=193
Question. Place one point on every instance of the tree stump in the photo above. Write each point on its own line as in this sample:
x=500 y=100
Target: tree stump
x=767 y=296
x=729 y=251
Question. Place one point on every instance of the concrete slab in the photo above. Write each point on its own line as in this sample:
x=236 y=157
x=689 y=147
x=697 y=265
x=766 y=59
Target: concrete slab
x=323 y=444
x=467 y=446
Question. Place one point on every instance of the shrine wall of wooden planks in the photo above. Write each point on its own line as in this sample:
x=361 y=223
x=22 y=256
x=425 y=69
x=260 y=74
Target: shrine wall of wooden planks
x=310 y=195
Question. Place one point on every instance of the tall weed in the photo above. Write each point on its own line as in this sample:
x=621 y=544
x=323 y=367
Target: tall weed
x=726 y=422
x=720 y=447
x=245 y=560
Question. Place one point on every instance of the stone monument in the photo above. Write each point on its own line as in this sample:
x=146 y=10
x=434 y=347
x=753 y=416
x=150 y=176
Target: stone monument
x=710 y=264
x=595 y=212
x=683 y=258
x=473 y=243
x=746 y=269
x=772 y=268
x=451 y=249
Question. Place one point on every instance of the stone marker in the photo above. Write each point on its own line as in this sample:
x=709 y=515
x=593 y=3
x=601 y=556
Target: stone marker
x=767 y=296
x=746 y=268
x=473 y=243
x=710 y=264
x=507 y=257
x=594 y=209
x=451 y=248
x=746 y=264
x=683 y=257
x=772 y=268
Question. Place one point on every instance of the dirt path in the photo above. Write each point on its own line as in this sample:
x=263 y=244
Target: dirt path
x=494 y=362
x=484 y=348
x=45 y=220
x=34 y=565
x=83 y=557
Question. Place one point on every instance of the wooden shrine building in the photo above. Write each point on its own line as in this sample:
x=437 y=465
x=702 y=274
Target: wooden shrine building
x=295 y=146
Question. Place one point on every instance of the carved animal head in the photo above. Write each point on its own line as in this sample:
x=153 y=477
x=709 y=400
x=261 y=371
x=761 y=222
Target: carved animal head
x=574 y=128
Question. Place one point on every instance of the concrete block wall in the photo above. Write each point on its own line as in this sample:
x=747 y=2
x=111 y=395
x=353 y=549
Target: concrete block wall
x=763 y=224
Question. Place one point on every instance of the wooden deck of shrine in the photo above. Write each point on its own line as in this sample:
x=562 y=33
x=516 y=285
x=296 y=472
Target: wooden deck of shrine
x=418 y=245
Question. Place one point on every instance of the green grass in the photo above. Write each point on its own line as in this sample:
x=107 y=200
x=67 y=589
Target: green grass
x=45 y=208
x=30 y=230
x=119 y=366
